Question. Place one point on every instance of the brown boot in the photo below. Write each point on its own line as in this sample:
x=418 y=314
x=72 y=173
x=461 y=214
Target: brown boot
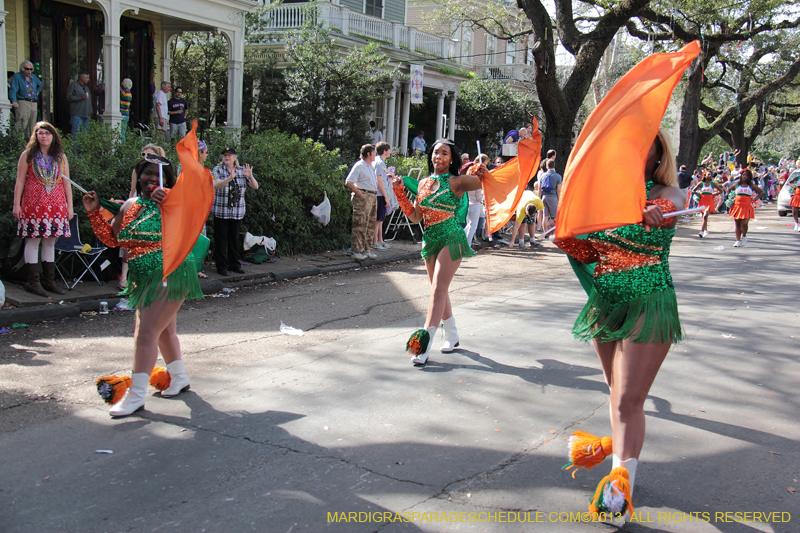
x=33 y=285
x=49 y=278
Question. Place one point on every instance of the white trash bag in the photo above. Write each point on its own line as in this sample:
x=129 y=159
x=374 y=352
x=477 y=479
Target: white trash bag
x=267 y=242
x=323 y=211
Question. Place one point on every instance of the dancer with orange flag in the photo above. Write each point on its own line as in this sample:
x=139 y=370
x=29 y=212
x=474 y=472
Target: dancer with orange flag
x=159 y=228
x=632 y=312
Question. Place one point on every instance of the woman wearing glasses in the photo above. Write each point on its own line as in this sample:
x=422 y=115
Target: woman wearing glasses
x=42 y=205
x=137 y=227
x=230 y=182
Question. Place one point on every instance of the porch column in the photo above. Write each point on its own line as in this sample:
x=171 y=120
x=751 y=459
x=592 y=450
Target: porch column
x=111 y=63
x=5 y=103
x=404 y=119
x=385 y=113
x=235 y=77
x=439 y=112
x=166 y=57
x=390 y=133
x=451 y=118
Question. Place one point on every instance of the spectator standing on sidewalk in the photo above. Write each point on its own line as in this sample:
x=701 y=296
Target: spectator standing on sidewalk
x=160 y=110
x=80 y=103
x=549 y=189
x=384 y=152
x=24 y=93
x=419 y=143
x=363 y=184
x=125 y=99
x=177 y=114
x=230 y=182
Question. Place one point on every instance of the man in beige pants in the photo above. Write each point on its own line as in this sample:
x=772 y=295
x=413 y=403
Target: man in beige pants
x=363 y=184
x=24 y=94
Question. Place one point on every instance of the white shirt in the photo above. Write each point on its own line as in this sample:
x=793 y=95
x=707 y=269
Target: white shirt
x=376 y=136
x=382 y=172
x=363 y=176
x=419 y=144
x=161 y=98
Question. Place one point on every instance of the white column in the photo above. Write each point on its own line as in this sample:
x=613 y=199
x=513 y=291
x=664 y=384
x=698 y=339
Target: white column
x=385 y=119
x=111 y=62
x=404 y=119
x=451 y=118
x=5 y=103
x=390 y=133
x=235 y=79
x=439 y=112
x=166 y=58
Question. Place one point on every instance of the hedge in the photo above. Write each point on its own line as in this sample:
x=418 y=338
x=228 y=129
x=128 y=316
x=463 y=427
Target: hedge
x=293 y=175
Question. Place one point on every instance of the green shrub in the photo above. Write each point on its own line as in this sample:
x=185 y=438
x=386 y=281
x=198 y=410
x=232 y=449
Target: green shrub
x=293 y=175
x=405 y=164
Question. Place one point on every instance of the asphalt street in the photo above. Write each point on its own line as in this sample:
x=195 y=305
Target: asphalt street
x=336 y=431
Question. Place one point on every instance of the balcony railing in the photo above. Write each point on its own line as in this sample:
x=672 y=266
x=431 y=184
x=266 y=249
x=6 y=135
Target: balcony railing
x=512 y=72
x=347 y=22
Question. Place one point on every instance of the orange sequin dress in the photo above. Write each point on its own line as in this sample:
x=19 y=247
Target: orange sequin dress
x=632 y=294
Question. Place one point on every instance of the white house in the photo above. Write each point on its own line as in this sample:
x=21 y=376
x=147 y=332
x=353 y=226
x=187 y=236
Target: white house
x=112 y=40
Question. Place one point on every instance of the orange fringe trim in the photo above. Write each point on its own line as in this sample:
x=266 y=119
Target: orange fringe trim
x=587 y=451
x=112 y=388
x=160 y=378
x=613 y=494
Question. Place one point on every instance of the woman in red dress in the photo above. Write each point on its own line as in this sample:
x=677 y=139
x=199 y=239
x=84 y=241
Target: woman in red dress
x=42 y=205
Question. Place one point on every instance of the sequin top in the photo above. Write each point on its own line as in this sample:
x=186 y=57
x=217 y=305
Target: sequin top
x=631 y=262
x=439 y=217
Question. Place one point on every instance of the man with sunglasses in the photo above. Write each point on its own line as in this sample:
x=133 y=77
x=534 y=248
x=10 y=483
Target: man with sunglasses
x=176 y=108
x=24 y=94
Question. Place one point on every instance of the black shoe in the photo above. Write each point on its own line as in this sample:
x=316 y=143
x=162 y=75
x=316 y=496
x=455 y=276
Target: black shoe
x=237 y=270
x=223 y=272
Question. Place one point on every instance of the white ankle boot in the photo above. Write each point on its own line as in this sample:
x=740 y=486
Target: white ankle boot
x=450 y=335
x=423 y=358
x=134 y=397
x=179 y=379
x=629 y=465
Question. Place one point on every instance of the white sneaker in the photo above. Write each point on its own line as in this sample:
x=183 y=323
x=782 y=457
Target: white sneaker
x=744 y=241
x=371 y=255
x=359 y=257
x=705 y=233
x=797 y=227
x=737 y=244
x=701 y=234
x=386 y=245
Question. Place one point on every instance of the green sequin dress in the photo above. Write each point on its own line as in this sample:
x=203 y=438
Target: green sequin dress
x=142 y=237
x=441 y=225
x=632 y=294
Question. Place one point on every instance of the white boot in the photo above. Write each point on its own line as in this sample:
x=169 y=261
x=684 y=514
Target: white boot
x=419 y=360
x=450 y=335
x=179 y=379
x=134 y=397
x=629 y=465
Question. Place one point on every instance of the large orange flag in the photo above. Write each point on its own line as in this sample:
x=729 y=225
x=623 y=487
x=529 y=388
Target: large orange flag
x=603 y=186
x=187 y=205
x=504 y=186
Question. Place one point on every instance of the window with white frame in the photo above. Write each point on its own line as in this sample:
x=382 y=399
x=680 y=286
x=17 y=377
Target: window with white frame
x=490 y=48
x=466 y=46
x=373 y=8
x=511 y=53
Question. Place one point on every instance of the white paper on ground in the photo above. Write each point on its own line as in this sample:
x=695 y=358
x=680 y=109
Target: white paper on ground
x=291 y=331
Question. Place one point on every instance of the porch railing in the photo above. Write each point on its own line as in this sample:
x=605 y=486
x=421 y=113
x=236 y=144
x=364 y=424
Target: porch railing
x=347 y=22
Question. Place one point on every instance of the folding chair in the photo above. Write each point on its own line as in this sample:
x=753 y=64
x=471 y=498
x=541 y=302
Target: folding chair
x=69 y=248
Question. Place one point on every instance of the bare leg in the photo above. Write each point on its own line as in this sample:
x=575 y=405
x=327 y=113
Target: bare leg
x=705 y=221
x=441 y=272
x=532 y=232
x=633 y=369
x=738 y=229
x=514 y=233
x=168 y=342
x=150 y=324
x=744 y=224
x=795 y=211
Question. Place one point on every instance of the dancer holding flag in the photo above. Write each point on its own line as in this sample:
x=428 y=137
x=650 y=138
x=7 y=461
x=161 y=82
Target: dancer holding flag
x=159 y=229
x=632 y=312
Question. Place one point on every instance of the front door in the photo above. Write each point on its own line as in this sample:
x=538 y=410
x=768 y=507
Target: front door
x=137 y=64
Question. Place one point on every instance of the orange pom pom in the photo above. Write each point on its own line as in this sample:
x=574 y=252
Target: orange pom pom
x=160 y=378
x=587 y=451
x=418 y=343
x=112 y=388
x=613 y=494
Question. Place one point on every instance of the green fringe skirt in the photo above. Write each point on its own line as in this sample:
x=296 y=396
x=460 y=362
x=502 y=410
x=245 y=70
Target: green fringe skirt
x=182 y=284
x=456 y=240
x=649 y=318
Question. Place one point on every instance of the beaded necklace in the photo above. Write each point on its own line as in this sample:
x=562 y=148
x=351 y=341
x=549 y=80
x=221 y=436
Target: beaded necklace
x=46 y=170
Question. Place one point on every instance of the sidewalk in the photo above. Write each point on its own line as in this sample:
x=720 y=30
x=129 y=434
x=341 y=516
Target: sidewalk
x=25 y=307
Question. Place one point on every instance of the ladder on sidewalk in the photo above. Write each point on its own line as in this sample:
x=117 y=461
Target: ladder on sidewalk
x=398 y=220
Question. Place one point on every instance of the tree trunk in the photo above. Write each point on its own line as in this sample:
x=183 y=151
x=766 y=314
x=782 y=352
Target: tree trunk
x=690 y=145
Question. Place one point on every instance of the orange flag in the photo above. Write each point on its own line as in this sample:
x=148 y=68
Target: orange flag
x=603 y=186
x=504 y=186
x=187 y=205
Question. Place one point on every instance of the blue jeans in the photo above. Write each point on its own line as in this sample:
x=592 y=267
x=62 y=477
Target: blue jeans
x=79 y=123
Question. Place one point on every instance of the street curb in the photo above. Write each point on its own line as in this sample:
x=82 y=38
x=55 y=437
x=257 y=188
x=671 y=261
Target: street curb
x=40 y=313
